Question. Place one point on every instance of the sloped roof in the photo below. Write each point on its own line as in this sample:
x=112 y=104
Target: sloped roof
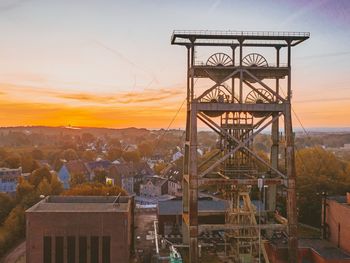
x=77 y=167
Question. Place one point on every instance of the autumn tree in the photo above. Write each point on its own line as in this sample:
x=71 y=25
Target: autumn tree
x=77 y=179
x=132 y=156
x=94 y=189
x=114 y=154
x=318 y=171
x=100 y=175
x=6 y=205
x=39 y=174
x=145 y=149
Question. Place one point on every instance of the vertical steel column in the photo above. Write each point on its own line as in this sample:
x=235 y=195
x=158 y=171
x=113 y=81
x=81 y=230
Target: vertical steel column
x=241 y=72
x=233 y=78
x=272 y=189
x=185 y=234
x=193 y=186
x=290 y=162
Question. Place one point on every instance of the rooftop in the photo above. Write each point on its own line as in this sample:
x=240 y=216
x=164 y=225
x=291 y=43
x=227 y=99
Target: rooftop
x=82 y=204
x=232 y=38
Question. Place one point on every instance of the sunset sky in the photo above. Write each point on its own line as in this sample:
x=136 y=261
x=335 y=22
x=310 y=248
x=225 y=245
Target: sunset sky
x=109 y=63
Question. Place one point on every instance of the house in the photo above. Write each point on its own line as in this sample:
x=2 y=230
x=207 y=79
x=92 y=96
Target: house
x=99 y=164
x=154 y=187
x=80 y=229
x=176 y=156
x=129 y=176
x=70 y=168
x=9 y=179
x=174 y=176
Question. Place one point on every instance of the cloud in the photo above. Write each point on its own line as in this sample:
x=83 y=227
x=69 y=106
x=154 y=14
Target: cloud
x=11 y=4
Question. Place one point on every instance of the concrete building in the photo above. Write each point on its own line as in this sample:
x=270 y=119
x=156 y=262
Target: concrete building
x=154 y=187
x=74 y=229
x=9 y=179
x=337 y=221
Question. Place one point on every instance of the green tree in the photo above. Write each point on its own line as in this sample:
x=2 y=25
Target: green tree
x=6 y=205
x=100 y=176
x=318 y=171
x=77 y=179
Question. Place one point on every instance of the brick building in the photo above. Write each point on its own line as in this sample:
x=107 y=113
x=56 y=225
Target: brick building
x=338 y=221
x=74 y=229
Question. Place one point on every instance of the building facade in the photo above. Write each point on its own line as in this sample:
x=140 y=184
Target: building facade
x=337 y=221
x=74 y=229
x=9 y=179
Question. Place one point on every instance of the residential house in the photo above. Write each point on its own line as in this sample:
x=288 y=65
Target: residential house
x=9 y=179
x=69 y=169
x=154 y=187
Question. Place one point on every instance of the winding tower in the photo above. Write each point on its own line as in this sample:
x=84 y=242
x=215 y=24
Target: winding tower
x=238 y=93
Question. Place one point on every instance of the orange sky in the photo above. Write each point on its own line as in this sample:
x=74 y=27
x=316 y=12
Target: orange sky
x=110 y=63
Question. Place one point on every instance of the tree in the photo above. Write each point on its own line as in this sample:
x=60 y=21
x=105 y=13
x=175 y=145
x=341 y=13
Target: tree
x=77 y=178
x=114 y=143
x=37 y=154
x=87 y=138
x=39 y=174
x=6 y=205
x=145 y=149
x=89 y=156
x=28 y=164
x=318 y=171
x=100 y=176
x=159 y=167
x=44 y=187
x=70 y=155
x=114 y=154
x=56 y=185
x=13 y=161
x=15 y=222
x=133 y=156
x=95 y=189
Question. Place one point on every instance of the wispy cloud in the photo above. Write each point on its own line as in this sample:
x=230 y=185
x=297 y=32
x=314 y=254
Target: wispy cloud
x=11 y=4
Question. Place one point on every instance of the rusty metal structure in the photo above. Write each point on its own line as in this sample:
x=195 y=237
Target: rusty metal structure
x=240 y=96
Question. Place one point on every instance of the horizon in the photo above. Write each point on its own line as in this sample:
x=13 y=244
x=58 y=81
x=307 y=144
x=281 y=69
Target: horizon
x=110 y=63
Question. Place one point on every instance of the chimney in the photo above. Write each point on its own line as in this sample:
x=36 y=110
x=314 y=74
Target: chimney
x=348 y=198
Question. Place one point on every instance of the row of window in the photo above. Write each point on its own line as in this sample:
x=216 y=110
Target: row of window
x=77 y=245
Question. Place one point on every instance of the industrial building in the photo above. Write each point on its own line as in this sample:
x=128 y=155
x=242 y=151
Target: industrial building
x=80 y=229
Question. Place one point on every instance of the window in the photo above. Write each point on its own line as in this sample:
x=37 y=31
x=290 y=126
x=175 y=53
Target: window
x=106 y=249
x=71 y=249
x=94 y=249
x=82 y=249
x=47 y=249
x=59 y=250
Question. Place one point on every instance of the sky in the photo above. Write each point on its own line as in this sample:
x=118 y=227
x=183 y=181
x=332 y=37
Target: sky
x=109 y=63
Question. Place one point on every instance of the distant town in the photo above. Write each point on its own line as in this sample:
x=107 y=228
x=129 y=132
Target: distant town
x=143 y=170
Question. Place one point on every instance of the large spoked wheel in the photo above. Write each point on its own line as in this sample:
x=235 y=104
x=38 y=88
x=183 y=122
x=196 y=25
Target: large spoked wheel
x=219 y=59
x=254 y=60
x=254 y=97
x=218 y=95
